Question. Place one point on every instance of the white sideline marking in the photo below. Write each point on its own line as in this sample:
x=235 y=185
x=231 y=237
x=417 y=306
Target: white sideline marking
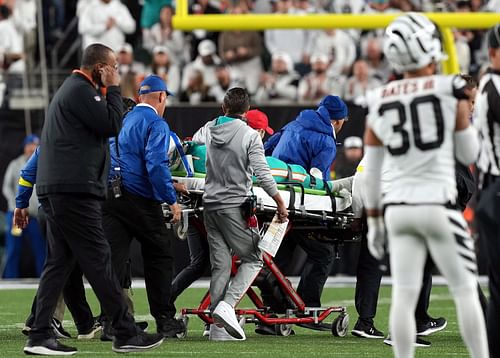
x=331 y=282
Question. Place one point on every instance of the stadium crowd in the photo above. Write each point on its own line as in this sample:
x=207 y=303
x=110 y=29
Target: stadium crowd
x=200 y=66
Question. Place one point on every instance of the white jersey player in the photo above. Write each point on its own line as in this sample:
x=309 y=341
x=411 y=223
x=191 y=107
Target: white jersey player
x=418 y=125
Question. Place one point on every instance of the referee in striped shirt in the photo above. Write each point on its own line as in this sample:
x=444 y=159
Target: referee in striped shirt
x=488 y=208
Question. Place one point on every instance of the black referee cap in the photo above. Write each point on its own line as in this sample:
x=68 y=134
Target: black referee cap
x=494 y=37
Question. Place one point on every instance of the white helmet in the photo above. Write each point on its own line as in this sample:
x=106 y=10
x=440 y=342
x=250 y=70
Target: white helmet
x=411 y=42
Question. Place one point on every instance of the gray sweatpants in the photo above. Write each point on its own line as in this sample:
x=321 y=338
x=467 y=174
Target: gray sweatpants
x=228 y=234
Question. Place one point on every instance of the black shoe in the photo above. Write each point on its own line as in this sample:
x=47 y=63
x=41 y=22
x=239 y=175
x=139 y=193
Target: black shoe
x=108 y=332
x=142 y=325
x=366 y=330
x=91 y=332
x=59 y=330
x=418 y=342
x=140 y=342
x=431 y=326
x=170 y=327
x=48 y=347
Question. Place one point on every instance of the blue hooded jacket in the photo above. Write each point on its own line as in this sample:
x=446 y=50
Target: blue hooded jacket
x=308 y=141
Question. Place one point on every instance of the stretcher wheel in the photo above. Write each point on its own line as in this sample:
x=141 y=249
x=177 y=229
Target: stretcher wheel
x=283 y=329
x=340 y=325
x=184 y=319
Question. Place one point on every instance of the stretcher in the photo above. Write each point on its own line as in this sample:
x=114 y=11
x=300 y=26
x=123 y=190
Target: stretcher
x=326 y=215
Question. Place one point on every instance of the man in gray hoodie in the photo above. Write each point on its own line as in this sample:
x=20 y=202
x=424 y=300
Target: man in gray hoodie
x=234 y=153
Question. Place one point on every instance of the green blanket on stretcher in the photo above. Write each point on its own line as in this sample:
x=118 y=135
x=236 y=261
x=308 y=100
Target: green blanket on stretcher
x=281 y=172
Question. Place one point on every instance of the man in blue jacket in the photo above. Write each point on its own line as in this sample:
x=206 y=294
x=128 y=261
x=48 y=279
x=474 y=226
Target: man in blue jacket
x=310 y=140
x=133 y=209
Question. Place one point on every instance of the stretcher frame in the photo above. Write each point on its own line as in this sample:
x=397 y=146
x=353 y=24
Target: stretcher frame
x=308 y=317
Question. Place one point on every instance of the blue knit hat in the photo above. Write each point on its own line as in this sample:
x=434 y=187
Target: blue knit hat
x=336 y=108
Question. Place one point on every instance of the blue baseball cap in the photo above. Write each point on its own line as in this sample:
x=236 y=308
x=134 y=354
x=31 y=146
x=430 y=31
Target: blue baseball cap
x=336 y=108
x=31 y=139
x=153 y=83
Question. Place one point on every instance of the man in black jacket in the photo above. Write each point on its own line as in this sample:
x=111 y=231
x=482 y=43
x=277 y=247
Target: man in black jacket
x=71 y=181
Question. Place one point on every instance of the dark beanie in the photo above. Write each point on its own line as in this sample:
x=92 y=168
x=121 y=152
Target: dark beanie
x=336 y=108
x=494 y=37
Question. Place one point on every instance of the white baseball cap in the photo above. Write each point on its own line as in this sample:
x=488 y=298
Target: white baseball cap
x=353 y=142
x=206 y=48
x=126 y=47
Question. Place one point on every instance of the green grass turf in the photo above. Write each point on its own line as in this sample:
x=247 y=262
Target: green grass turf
x=15 y=304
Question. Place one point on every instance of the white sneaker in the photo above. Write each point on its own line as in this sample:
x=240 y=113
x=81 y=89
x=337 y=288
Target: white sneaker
x=220 y=334
x=224 y=315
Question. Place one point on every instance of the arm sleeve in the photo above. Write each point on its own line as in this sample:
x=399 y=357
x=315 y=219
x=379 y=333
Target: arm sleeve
x=287 y=90
x=260 y=167
x=88 y=27
x=322 y=158
x=466 y=145
x=200 y=136
x=104 y=118
x=373 y=169
x=125 y=21
x=494 y=105
x=157 y=162
x=27 y=180
x=8 y=183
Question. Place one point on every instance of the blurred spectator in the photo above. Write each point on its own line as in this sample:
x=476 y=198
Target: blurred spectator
x=129 y=71
x=346 y=6
x=205 y=62
x=338 y=45
x=196 y=91
x=467 y=42
x=14 y=236
x=163 y=34
x=305 y=7
x=151 y=12
x=202 y=7
x=54 y=16
x=360 y=81
x=163 y=66
x=378 y=65
x=319 y=83
x=378 y=6
x=106 y=22
x=492 y=6
x=280 y=85
x=349 y=158
x=11 y=44
x=242 y=50
x=226 y=79
x=24 y=17
x=293 y=41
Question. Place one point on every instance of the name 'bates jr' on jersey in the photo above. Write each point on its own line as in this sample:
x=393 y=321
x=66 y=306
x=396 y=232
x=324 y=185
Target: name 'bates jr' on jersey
x=415 y=119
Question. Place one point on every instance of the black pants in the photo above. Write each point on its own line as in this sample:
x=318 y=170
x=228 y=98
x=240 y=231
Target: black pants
x=73 y=292
x=75 y=235
x=320 y=258
x=199 y=259
x=368 y=277
x=132 y=216
x=488 y=215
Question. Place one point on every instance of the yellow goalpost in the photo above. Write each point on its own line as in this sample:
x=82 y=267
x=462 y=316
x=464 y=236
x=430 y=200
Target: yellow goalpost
x=257 y=22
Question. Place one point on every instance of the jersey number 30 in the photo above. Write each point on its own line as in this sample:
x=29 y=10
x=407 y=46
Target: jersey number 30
x=415 y=124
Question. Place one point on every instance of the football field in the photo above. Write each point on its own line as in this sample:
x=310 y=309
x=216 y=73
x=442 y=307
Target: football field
x=15 y=305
